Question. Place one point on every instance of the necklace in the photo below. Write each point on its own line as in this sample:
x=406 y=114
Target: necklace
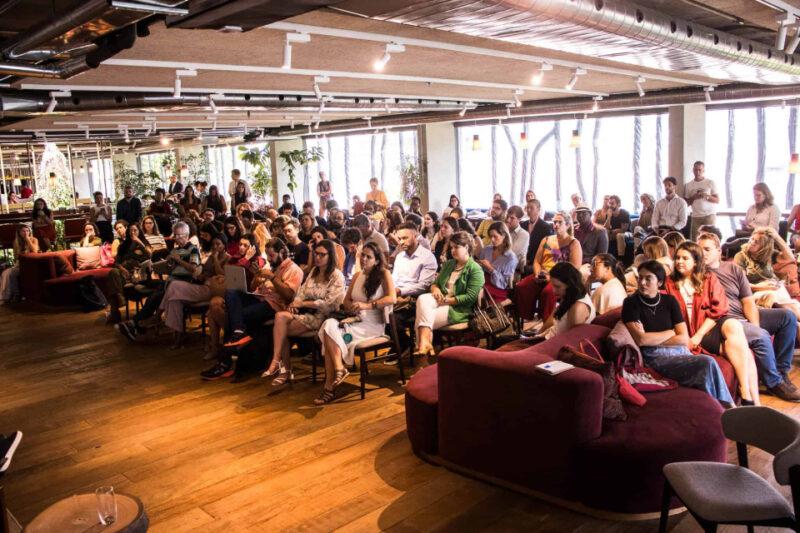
x=651 y=307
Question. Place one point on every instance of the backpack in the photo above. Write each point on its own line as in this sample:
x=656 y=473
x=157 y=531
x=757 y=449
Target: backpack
x=90 y=295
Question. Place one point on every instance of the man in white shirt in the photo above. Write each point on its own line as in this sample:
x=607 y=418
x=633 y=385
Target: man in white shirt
x=701 y=195
x=519 y=237
x=236 y=177
x=670 y=212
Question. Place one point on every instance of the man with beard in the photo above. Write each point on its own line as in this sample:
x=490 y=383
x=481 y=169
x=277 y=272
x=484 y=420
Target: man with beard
x=496 y=214
x=336 y=224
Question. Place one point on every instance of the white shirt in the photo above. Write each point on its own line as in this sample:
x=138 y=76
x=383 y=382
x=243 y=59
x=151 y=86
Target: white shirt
x=608 y=296
x=519 y=244
x=771 y=216
x=232 y=188
x=413 y=274
x=669 y=213
x=701 y=207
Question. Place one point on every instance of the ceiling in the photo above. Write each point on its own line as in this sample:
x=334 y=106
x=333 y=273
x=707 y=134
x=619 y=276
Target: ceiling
x=439 y=72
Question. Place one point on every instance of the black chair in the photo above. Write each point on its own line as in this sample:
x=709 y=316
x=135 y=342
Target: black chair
x=721 y=493
x=374 y=346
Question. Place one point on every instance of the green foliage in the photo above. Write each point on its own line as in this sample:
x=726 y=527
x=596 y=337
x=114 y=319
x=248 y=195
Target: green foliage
x=412 y=183
x=259 y=159
x=143 y=183
x=198 y=166
x=301 y=157
x=168 y=160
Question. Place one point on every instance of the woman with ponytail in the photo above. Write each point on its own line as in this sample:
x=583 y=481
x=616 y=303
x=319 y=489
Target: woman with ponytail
x=608 y=271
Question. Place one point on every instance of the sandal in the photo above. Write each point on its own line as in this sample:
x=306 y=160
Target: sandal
x=340 y=376
x=283 y=378
x=326 y=396
x=269 y=373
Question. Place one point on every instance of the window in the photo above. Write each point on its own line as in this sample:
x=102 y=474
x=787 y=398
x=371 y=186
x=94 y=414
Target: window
x=101 y=177
x=151 y=161
x=224 y=158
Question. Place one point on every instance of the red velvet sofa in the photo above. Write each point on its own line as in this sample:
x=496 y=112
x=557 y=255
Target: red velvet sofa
x=39 y=280
x=492 y=415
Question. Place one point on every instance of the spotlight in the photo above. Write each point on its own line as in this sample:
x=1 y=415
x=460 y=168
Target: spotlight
x=784 y=21
x=391 y=48
x=211 y=104
x=463 y=111
x=792 y=46
x=53 y=102
x=639 y=81
x=369 y=121
x=707 y=91
x=539 y=76
x=508 y=110
x=164 y=141
x=516 y=95
x=178 y=75
x=574 y=79
x=287 y=47
x=317 y=81
x=596 y=103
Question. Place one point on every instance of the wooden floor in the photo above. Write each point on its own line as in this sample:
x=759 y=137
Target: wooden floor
x=98 y=410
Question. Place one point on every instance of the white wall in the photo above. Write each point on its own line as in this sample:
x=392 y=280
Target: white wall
x=280 y=176
x=687 y=140
x=440 y=146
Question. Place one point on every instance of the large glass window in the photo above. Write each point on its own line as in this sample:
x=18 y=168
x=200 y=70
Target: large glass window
x=224 y=158
x=151 y=161
x=626 y=156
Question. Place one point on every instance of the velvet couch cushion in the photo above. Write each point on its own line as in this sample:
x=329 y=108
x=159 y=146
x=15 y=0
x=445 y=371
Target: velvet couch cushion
x=612 y=405
x=609 y=318
x=422 y=410
x=34 y=269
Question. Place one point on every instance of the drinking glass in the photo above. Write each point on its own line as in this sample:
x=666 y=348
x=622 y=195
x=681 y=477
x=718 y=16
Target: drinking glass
x=106 y=505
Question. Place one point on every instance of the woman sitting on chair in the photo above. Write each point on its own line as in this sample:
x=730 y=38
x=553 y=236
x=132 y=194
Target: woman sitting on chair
x=370 y=292
x=453 y=295
x=24 y=243
x=317 y=235
x=152 y=235
x=132 y=252
x=91 y=236
x=320 y=294
x=498 y=261
x=576 y=305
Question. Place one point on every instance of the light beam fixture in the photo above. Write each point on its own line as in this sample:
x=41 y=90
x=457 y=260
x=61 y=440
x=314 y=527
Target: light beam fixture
x=391 y=48
x=574 y=79
x=539 y=76
x=596 y=102
x=639 y=89
x=287 y=47
x=517 y=93
x=53 y=102
x=463 y=110
x=176 y=93
x=317 y=81
x=784 y=20
x=707 y=92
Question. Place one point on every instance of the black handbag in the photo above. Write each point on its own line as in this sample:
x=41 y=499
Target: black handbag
x=490 y=318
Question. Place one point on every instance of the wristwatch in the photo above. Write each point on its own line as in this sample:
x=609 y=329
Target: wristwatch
x=374 y=304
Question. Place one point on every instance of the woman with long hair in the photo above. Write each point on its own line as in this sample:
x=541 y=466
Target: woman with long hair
x=24 y=243
x=91 y=235
x=535 y=291
x=441 y=242
x=215 y=201
x=477 y=244
x=307 y=223
x=657 y=325
x=42 y=224
x=498 y=261
x=239 y=198
x=120 y=231
x=430 y=226
x=189 y=205
x=453 y=295
x=370 y=294
x=233 y=232
x=673 y=240
x=152 y=236
x=100 y=215
x=611 y=293
x=452 y=203
x=132 y=252
x=763 y=213
x=759 y=261
x=575 y=306
x=642 y=225
x=654 y=248
x=704 y=307
x=320 y=294
x=316 y=236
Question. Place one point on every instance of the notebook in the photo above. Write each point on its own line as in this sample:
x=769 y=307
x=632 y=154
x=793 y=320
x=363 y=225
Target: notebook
x=554 y=367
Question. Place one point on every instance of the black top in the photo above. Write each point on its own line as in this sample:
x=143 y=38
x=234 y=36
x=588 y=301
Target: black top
x=665 y=315
x=215 y=203
x=541 y=229
x=623 y=217
x=175 y=188
x=299 y=253
x=129 y=210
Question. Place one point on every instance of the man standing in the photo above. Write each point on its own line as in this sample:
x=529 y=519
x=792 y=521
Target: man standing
x=773 y=355
x=593 y=238
x=537 y=228
x=496 y=214
x=175 y=186
x=519 y=237
x=129 y=208
x=236 y=177
x=669 y=213
x=701 y=195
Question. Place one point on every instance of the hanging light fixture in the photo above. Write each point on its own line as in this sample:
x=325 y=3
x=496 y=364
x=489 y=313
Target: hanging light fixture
x=523 y=140
x=575 y=141
x=794 y=164
x=537 y=78
x=391 y=48
x=476 y=142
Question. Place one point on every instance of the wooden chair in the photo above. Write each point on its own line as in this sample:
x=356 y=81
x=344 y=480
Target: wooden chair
x=374 y=346
x=316 y=349
x=200 y=308
x=721 y=493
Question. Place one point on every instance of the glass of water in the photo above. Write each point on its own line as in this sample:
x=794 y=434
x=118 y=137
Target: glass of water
x=106 y=505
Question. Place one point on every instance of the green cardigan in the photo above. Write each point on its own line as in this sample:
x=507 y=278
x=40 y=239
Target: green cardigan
x=467 y=288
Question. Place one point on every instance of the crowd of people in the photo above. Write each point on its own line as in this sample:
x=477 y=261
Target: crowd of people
x=273 y=277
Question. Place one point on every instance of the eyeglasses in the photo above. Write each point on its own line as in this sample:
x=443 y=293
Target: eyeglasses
x=320 y=254
x=558 y=222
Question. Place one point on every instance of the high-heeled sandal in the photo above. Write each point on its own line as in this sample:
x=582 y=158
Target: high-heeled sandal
x=340 y=376
x=268 y=374
x=326 y=396
x=283 y=378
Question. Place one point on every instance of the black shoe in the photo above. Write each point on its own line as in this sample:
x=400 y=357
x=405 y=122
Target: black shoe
x=129 y=330
x=786 y=392
x=391 y=360
x=238 y=340
x=788 y=380
x=8 y=445
x=221 y=370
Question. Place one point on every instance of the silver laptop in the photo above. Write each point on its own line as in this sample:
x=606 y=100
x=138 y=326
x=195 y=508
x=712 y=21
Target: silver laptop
x=236 y=279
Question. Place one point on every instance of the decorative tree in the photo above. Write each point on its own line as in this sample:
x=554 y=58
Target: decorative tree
x=262 y=177
x=412 y=183
x=301 y=157
x=168 y=164
x=143 y=183
x=198 y=166
x=57 y=191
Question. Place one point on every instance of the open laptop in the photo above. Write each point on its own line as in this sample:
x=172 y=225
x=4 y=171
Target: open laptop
x=236 y=279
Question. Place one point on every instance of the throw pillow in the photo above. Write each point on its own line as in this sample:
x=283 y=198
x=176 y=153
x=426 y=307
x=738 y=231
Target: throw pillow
x=621 y=347
x=88 y=257
x=612 y=405
x=609 y=318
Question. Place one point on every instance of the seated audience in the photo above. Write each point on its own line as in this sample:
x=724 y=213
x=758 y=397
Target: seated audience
x=306 y=225
x=642 y=228
x=601 y=214
x=298 y=250
x=496 y=214
x=770 y=333
x=575 y=307
x=593 y=238
x=190 y=205
x=611 y=293
x=152 y=235
x=498 y=261
x=457 y=213
x=653 y=249
x=318 y=234
x=233 y=233
x=44 y=229
x=537 y=228
x=453 y=295
x=673 y=240
x=91 y=236
x=320 y=294
x=351 y=242
x=368 y=233
x=763 y=213
x=519 y=237
x=414 y=267
x=453 y=203
x=430 y=226
x=617 y=224
x=704 y=307
x=132 y=252
x=658 y=327
x=671 y=212
x=440 y=246
x=370 y=293
x=240 y=196
x=215 y=201
x=24 y=243
x=336 y=223
x=477 y=243
x=120 y=231
x=376 y=195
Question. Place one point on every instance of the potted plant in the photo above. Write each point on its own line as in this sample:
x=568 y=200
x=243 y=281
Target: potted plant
x=259 y=159
x=301 y=157
x=412 y=183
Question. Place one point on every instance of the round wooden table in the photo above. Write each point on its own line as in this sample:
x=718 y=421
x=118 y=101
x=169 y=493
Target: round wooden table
x=78 y=514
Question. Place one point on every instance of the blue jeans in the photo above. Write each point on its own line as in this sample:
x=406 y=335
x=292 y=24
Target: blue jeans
x=245 y=312
x=773 y=357
x=689 y=370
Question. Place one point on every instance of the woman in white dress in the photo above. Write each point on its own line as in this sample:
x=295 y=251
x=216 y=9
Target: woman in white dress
x=370 y=296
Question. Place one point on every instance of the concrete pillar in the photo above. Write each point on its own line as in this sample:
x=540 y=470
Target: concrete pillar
x=687 y=140
x=440 y=155
x=280 y=178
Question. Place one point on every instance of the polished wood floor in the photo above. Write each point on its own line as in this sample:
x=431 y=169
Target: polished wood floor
x=98 y=410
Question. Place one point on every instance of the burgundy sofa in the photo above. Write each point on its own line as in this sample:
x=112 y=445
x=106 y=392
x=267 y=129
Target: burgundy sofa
x=39 y=280
x=492 y=415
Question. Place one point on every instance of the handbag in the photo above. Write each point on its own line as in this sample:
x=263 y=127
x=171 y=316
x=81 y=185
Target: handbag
x=490 y=319
x=106 y=257
x=631 y=369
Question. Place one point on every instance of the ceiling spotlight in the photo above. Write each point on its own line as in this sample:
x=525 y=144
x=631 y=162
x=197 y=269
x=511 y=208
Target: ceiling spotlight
x=53 y=102
x=792 y=46
x=287 y=47
x=508 y=110
x=463 y=111
x=309 y=128
x=214 y=125
x=391 y=48
x=369 y=121
x=784 y=20
x=211 y=104
x=574 y=79
x=386 y=103
x=164 y=141
x=596 y=102
x=317 y=81
x=316 y=124
x=517 y=93
x=127 y=136
x=539 y=76
x=707 y=92
x=176 y=93
x=639 y=81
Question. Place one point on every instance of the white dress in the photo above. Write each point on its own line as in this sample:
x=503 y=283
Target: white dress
x=373 y=323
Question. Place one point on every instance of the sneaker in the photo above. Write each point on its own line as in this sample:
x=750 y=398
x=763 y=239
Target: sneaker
x=128 y=329
x=221 y=370
x=239 y=338
x=8 y=445
x=788 y=380
x=786 y=392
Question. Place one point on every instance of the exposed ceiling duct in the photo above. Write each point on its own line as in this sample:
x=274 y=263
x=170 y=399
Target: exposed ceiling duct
x=616 y=30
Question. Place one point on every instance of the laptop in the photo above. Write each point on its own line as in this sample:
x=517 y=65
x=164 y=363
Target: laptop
x=236 y=279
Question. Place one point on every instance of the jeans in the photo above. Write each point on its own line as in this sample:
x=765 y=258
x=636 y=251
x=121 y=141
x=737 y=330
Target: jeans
x=245 y=312
x=773 y=356
x=689 y=370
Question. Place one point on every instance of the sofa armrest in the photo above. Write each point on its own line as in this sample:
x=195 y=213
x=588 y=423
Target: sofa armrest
x=501 y=417
x=35 y=269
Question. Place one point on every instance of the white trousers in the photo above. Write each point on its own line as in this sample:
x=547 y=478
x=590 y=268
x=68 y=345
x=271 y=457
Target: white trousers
x=429 y=313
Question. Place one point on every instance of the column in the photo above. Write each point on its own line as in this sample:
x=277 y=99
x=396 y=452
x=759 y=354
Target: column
x=439 y=152
x=687 y=140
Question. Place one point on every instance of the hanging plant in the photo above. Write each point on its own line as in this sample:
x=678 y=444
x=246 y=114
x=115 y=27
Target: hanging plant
x=301 y=157
x=259 y=159
x=412 y=183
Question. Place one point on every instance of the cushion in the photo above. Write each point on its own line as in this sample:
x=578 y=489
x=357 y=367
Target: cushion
x=63 y=266
x=612 y=405
x=620 y=342
x=609 y=318
x=422 y=407
x=88 y=257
